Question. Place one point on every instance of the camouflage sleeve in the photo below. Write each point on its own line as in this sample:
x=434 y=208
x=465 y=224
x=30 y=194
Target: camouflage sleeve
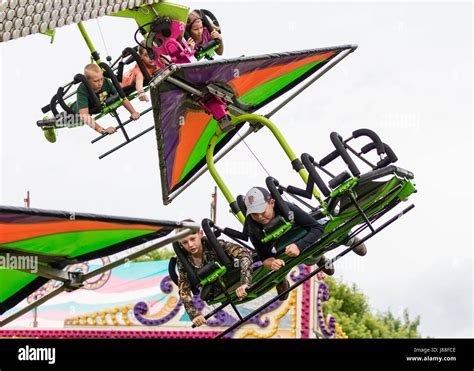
x=185 y=293
x=245 y=260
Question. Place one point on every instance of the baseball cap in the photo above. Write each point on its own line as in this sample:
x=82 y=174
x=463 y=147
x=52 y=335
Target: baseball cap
x=256 y=200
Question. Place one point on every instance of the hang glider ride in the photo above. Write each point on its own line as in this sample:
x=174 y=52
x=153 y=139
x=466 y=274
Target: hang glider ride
x=353 y=203
x=57 y=239
x=198 y=108
x=185 y=125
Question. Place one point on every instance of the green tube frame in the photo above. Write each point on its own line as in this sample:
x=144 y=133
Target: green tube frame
x=250 y=117
x=88 y=41
x=142 y=15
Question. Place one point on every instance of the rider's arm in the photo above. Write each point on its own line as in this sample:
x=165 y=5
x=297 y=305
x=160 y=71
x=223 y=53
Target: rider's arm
x=185 y=293
x=267 y=263
x=139 y=82
x=217 y=36
x=303 y=219
x=128 y=106
x=89 y=121
x=245 y=260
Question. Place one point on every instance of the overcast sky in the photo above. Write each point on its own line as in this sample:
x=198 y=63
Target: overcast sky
x=410 y=80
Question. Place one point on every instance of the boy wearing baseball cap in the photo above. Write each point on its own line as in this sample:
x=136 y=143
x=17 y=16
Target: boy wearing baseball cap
x=260 y=211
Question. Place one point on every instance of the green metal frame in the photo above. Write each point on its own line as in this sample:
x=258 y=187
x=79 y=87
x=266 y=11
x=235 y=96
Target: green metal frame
x=210 y=53
x=335 y=231
x=215 y=275
x=89 y=43
x=253 y=118
x=147 y=13
x=51 y=34
x=406 y=190
x=280 y=231
x=142 y=16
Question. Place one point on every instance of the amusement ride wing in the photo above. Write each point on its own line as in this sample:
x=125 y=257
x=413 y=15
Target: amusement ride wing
x=56 y=239
x=183 y=129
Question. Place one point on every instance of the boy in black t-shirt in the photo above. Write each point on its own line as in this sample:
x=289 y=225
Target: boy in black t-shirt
x=261 y=210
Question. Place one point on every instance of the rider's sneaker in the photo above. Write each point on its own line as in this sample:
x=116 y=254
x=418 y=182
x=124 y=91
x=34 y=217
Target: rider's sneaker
x=327 y=265
x=282 y=286
x=50 y=134
x=361 y=249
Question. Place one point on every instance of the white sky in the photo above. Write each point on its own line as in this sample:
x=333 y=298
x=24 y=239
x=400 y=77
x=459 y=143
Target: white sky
x=410 y=80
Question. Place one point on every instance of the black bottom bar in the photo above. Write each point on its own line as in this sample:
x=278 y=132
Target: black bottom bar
x=394 y=353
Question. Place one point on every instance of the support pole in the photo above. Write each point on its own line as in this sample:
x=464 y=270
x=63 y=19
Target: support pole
x=220 y=183
x=33 y=305
x=94 y=53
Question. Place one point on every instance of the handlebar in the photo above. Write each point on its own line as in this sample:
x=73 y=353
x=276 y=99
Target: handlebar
x=272 y=185
x=207 y=225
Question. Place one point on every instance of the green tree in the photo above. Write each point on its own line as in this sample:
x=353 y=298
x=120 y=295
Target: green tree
x=160 y=254
x=351 y=309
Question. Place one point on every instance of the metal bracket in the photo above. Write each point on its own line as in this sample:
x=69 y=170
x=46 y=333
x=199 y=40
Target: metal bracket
x=76 y=281
x=162 y=75
x=225 y=124
x=221 y=93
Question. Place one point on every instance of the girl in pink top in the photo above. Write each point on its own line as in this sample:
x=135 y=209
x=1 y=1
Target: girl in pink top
x=200 y=35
